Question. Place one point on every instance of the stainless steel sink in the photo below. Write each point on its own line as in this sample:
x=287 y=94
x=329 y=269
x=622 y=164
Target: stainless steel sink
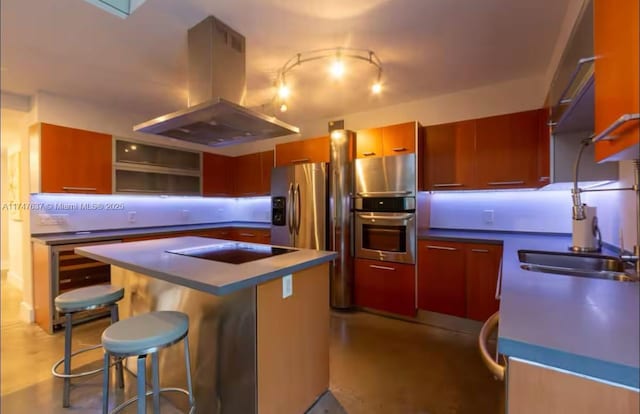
x=577 y=264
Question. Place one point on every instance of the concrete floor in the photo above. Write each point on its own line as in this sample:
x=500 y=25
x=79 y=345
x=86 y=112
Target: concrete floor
x=378 y=365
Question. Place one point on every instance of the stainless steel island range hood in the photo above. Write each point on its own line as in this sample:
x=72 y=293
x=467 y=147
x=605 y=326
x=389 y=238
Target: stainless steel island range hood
x=217 y=86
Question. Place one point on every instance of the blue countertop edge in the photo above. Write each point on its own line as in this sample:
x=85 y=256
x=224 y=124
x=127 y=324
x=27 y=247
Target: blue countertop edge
x=616 y=374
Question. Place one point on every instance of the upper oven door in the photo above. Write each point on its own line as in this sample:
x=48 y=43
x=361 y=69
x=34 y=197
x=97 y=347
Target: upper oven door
x=393 y=176
x=386 y=236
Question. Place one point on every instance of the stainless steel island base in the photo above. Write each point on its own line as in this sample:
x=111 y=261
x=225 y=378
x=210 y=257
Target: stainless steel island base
x=222 y=336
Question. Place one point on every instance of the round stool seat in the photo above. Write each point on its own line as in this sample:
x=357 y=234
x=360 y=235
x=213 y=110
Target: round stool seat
x=143 y=333
x=88 y=297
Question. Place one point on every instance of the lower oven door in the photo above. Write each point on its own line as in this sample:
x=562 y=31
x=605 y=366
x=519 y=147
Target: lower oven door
x=389 y=237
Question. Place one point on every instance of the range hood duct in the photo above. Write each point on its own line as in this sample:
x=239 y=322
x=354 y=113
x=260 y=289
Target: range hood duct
x=217 y=85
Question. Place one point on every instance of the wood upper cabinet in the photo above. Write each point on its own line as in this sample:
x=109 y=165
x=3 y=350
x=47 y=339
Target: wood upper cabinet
x=482 y=266
x=388 y=140
x=72 y=160
x=308 y=150
x=449 y=151
x=385 y=286
x=369 y=143
x=399 y=139
x=458 y=278
x=215 y=175
x=441 y=277
x=246 y=175
x=617 y=74
x=544 y=148
x=507 y=150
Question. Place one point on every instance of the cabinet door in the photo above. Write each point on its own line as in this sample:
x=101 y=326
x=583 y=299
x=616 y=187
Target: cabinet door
x=617 y=72
x=215 y=175
x=544 y=148
x=266 y=165
x=369 y=143
x=448 y=156
x=308 y=150
x=399 y=139
x=385 y=286
x=441 y=277
x=247 y=175
x=507 y=149
x=219 y=233
x=74 y=161
x=482 y=268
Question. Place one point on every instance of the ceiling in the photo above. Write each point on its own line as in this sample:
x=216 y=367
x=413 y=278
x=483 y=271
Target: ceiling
x=139 y=64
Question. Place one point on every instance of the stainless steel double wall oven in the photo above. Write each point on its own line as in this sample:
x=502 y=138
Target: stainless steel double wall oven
x=384 y=208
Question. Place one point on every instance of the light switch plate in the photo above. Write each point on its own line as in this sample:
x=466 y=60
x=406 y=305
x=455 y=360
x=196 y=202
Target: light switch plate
x=487 y=216
x=287 y=286
x=131 y=216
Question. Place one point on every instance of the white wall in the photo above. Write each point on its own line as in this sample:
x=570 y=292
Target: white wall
x=108 y=212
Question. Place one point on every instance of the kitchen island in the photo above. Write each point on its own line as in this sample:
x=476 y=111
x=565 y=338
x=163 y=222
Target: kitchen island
x=253 y=350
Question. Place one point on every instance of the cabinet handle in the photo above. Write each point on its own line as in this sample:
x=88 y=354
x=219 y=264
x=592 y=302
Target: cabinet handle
x=247 y=234
x=300 y=160
x=506 y=182
x=399 y=149
x=563 y=99
x=368 y=154
x=79 y=189
x=441 y=248
x=543 y=179
x=382 y=267
x=449 y=185
x=499 y=283
x=63 y=281
x=615 y=125
x=480 y=250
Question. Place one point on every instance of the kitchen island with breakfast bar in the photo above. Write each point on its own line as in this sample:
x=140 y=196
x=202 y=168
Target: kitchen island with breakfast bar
x=259 y=317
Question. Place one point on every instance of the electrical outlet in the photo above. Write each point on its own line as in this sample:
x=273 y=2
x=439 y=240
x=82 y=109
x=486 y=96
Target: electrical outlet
x=287 y=286
x=487 y=216
x=131 y=216
x=52 y=219
x=185 y=214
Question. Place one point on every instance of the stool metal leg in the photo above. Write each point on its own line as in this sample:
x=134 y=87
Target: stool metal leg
x=142 y=390
x=156 y=382
x=105 y=384
x=119 y=372
x=67 y=359
x=187 y=362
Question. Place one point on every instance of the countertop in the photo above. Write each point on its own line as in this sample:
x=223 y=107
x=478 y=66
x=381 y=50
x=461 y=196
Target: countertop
x=587 y=326
x=149 y=257
x=105 y=235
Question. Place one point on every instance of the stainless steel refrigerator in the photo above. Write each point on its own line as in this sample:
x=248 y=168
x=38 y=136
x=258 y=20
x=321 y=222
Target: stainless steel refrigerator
x=299 y=206
x=311 y=209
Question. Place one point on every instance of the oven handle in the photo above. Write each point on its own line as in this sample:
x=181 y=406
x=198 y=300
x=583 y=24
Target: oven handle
x=398 y=217
x=383 y=193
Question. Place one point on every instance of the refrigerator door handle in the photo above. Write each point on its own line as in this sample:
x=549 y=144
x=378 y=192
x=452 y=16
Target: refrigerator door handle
x=290 y=213
x=297 y=201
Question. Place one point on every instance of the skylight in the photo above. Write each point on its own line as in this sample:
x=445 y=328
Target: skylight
x=121 y=8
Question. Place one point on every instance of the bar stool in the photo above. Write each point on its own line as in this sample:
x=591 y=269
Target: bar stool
x=83 y=299
x=140 y=336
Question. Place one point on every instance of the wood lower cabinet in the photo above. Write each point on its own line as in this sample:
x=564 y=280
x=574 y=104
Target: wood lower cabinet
x=251 y=235
x=72 y=160
x=617 y=73
x=449 y=151
x=482 y=267
x=297 y=152
x=441 y=277
x=458 y=278
x=533 y=389
x=216 y=180
x=385 y=286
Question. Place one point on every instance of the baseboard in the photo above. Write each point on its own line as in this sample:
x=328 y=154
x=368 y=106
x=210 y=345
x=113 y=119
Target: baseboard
x=14 y=279
x=26 y=312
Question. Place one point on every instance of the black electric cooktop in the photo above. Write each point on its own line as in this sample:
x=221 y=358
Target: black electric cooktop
x=234 y=253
